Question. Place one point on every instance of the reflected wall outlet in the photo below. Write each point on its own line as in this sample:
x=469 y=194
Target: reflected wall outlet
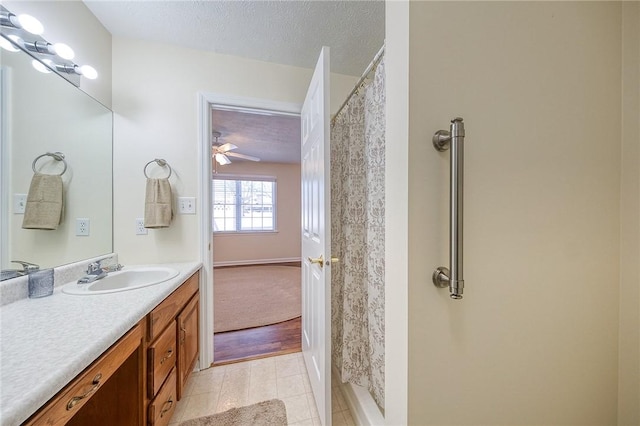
x=19 y=203
x=82 y=227
x=186 y=205
x=140 y=229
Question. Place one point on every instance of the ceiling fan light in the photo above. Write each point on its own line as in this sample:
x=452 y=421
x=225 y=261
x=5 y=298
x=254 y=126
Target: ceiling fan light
x=222 y=159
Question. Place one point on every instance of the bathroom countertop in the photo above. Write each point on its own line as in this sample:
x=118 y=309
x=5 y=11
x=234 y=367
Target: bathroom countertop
x=46 y=342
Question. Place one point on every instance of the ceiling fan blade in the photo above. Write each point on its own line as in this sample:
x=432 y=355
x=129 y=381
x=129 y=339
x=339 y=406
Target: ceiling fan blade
x=222 y=159
x=226 y=147
x=243 y=156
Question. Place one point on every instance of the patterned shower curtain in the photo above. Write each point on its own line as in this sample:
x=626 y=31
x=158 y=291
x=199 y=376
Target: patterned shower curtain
x=357 y=237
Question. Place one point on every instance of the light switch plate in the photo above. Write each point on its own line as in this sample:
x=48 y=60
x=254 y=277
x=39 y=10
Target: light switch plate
x=186 y=205
x=19 y=203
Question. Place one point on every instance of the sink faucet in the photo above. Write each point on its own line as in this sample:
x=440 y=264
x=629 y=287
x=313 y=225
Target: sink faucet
x=94 y=273
x=27 y=267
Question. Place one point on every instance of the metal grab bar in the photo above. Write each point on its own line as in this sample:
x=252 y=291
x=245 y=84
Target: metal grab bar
x=453 y=277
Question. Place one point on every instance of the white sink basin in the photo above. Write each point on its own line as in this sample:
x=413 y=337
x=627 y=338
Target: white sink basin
x=123 y=280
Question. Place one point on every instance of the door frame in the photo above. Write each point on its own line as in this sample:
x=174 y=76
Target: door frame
x=206 y=101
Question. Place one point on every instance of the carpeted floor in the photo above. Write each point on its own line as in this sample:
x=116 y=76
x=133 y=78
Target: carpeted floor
x=253 y=296
x=271 y=413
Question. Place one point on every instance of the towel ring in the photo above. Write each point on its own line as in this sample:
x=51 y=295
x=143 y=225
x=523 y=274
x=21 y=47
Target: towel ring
x=161 y=162
x=58 y=156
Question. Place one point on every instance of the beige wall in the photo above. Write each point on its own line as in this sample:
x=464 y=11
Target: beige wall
x=535 y=339
x=629 y=368
x=252 y=248
x=155 y=89
x=71 y=22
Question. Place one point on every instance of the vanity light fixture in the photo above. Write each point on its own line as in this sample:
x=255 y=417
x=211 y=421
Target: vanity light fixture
x=6 y=44
x=23 y=21
x=86 y=70
x=23 y=32
x=39 y=66
x=60 y=49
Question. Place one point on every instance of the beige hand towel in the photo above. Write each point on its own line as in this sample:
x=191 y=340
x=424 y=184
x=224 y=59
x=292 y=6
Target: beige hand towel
x=44 y=202
x=157 y=209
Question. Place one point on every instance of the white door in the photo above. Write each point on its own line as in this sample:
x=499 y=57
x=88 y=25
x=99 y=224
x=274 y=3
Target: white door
x=316 y=237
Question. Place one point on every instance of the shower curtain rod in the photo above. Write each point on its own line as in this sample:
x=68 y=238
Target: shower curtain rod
x=371 y=67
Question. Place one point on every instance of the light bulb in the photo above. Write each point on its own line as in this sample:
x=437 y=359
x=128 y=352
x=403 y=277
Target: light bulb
x=64 y=51
x=222 y=160
x=89 y=72
x=7 y=45
x=40 y=66
x=30 y=24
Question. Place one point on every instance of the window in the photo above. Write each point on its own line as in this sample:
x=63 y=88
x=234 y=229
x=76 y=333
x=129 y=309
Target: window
x=241 y=205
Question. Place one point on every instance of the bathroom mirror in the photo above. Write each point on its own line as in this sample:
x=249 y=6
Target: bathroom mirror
x=42 y=113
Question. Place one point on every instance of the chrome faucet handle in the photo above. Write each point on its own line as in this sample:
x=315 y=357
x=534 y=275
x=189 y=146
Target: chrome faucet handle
x=27 y=267
x=113 y=268
x=94 y=267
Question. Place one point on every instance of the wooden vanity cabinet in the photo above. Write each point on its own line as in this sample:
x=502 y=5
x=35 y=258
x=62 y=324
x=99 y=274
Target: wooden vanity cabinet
x=108 y=392
x=141 y=377
x=161 y=359
x=161 y=408
x=173 y=328
x=188 y=350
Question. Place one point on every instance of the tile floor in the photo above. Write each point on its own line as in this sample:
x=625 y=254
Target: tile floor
x=283 y=377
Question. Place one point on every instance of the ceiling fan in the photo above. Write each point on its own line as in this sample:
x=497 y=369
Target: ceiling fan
x=221 y=153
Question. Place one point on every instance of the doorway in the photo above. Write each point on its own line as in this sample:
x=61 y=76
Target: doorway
x=248 y=226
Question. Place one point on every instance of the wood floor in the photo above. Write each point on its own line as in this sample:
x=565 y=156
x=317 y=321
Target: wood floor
x=258 y=342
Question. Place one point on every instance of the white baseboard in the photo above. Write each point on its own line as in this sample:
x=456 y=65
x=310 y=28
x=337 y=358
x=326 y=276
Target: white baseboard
x=256 y=261
x=364 y=410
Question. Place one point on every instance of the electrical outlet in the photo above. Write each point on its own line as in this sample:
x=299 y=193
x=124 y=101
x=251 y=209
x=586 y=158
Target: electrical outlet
x=186 y=205
x=19 y=203
x=140 y=229
x=82 y=226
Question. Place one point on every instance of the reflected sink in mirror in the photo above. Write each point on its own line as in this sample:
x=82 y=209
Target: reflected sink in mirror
x=122 y=281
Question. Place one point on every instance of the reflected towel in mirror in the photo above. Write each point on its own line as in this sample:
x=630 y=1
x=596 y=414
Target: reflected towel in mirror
x=44 y=203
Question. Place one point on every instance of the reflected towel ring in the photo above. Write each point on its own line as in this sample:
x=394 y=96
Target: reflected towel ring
x=160 y=162
x=58 y=156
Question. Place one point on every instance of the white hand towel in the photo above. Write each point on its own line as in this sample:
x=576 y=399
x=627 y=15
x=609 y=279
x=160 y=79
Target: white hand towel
x=157 y=210
x=44 y=203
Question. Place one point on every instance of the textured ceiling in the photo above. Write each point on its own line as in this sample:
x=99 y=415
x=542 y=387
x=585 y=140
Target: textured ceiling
x=272 y=138
x=285 y=32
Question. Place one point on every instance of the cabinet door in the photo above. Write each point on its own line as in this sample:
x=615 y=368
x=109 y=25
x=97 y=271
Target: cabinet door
x=188 y=331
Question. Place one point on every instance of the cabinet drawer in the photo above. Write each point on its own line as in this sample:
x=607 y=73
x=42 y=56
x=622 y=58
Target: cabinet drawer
x=68 y=402
x=162 y=407
x=162 y=356
x=166 y=311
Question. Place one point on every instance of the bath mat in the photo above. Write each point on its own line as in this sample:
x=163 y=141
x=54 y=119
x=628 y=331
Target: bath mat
x=266 y=413
x=253 y=296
